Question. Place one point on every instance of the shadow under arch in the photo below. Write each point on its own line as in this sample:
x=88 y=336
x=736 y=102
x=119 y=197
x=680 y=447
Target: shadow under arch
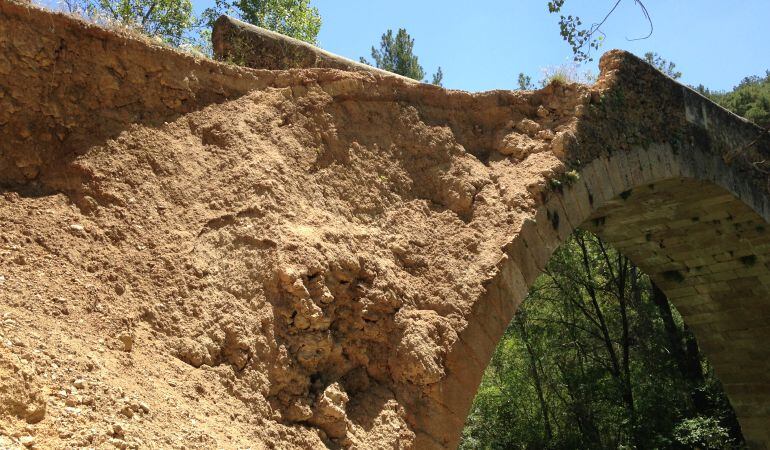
x=687 y=220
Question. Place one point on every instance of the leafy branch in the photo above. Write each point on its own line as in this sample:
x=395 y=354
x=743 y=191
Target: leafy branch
x=584 y=40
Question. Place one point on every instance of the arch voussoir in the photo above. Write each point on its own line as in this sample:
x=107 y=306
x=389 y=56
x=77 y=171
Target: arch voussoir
x=704 y=243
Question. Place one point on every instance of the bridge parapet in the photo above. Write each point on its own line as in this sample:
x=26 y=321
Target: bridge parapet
x=252 y=46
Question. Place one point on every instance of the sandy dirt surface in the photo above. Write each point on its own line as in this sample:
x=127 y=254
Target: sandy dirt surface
x=269 y=272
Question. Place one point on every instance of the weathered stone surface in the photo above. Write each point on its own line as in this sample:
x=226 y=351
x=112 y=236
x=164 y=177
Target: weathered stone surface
x=316 y=257
x=251 y=46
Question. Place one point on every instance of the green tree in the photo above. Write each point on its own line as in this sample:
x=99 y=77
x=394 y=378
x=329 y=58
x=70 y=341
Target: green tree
x=169 y=20
x=525 y=82
x=295 y=18
x=438 y=77
x=396 y=54
x=750 y=99
x=597 y=358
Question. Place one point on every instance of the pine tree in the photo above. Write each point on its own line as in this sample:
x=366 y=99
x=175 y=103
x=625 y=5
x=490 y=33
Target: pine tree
x=396 y=54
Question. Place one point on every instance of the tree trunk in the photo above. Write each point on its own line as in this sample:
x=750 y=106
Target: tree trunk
x=537 y=381
x=685 y=351
x=628 y=391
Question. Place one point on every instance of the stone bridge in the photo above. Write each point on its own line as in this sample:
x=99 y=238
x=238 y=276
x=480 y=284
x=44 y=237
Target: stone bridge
x=358 y=241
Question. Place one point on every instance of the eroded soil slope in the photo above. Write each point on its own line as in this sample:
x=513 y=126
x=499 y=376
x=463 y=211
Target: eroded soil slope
x=284 y=269
x=252 y=273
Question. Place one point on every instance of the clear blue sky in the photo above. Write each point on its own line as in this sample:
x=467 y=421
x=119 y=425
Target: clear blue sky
x=485 y=44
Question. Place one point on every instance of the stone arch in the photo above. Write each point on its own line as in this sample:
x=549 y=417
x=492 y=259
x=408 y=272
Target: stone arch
x=688 y=220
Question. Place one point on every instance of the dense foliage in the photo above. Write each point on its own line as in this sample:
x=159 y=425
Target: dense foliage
x=750 y=99
x=396 y=54
x=596 y=358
